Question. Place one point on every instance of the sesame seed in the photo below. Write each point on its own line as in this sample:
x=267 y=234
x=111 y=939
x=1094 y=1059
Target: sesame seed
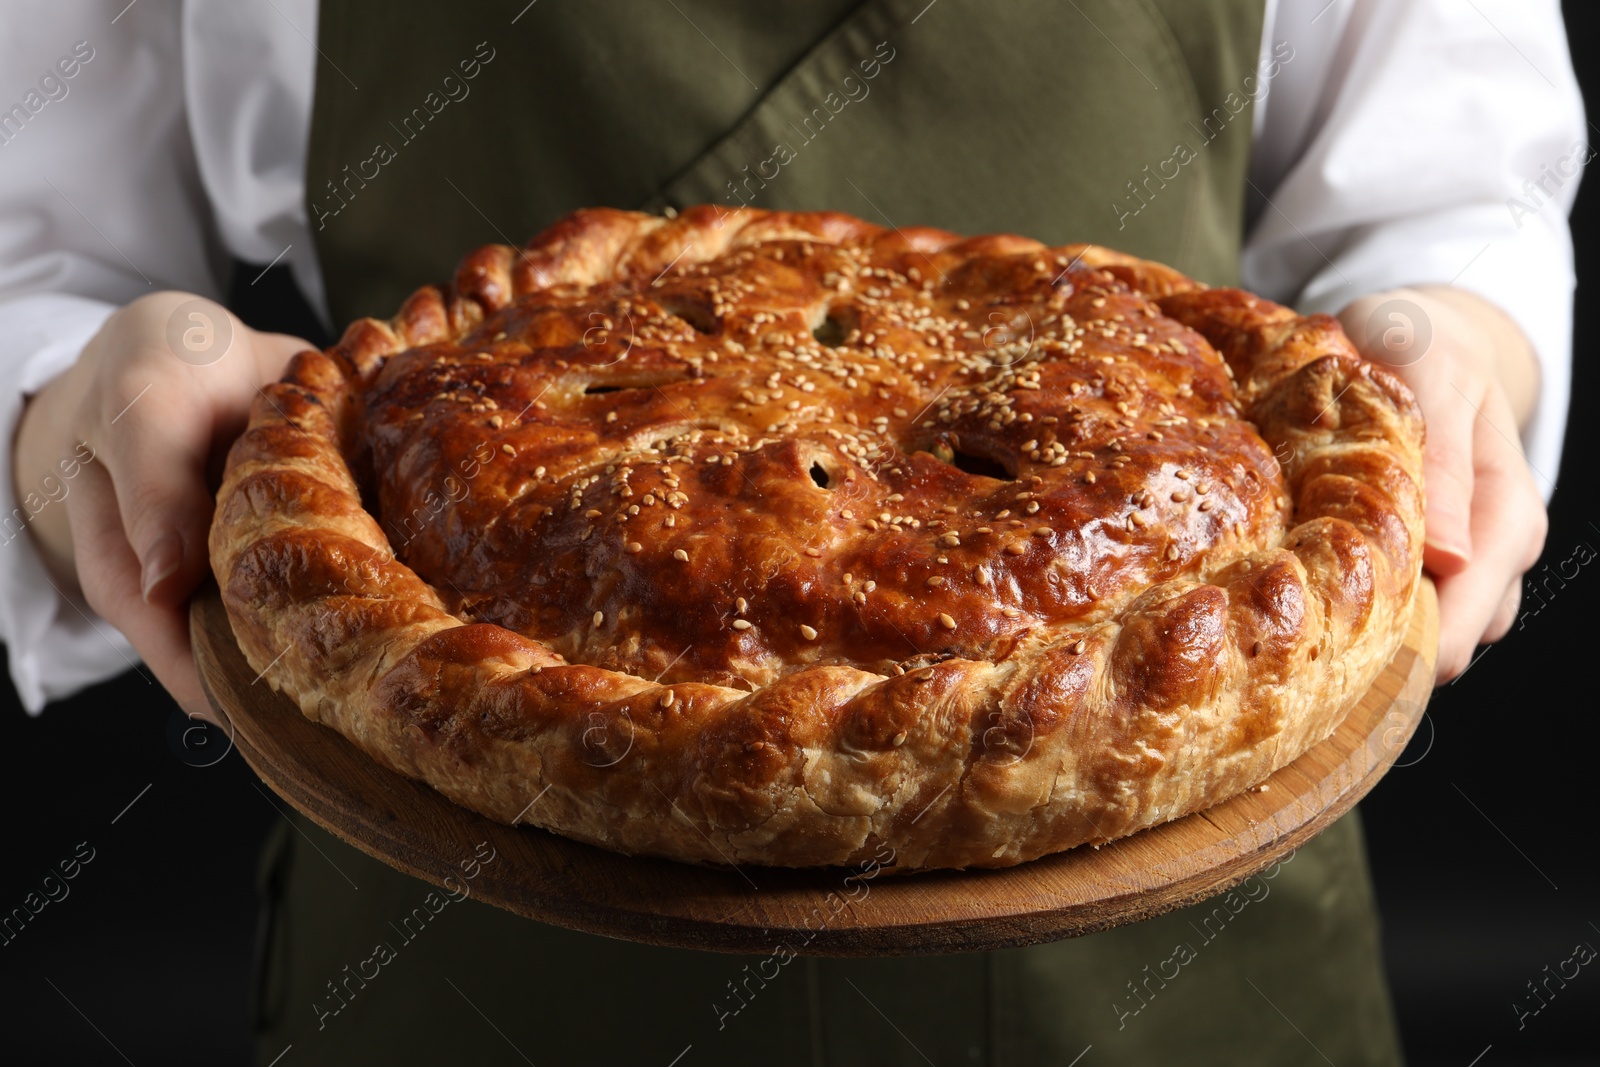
x=680 y=555
x=667 y=698
x=1078 y=646
x=1016 y=548
x=1010 y=613
x=946 y=621
x=1205 y=505
x=900 y=738
x=599 y=617
x=508 y=450
x=807 y=632
x=740 y=605
x=741 y=624
x=1255 y=649
x=1043 y=531
x=632 y=547
x=950 y=540
x=935 y=582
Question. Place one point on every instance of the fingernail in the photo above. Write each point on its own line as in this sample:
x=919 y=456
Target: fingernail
x=1449 y=548
x=161 y=560
x=1444 y=559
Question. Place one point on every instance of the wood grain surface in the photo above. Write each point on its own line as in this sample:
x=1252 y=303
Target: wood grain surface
x=829 y=911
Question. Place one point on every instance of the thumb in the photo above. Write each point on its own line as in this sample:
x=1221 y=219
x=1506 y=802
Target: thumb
x=1449 y=482
x=1395 y=330
x=158 y=478
x=273 y=351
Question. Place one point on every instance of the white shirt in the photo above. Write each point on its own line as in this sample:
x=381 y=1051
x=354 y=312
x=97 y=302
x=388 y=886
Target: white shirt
x=1399 y=145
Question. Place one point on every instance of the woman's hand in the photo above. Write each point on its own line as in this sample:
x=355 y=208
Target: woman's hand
x=1477 y=380
x=157 y=395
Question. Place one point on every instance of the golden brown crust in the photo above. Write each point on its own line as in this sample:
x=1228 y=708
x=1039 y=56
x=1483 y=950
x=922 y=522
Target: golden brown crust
x=766 y=537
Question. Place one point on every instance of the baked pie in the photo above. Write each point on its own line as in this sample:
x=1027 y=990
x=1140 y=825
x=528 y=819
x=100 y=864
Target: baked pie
x=773 y=538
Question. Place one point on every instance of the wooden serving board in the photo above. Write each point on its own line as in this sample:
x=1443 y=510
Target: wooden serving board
x=552 y=879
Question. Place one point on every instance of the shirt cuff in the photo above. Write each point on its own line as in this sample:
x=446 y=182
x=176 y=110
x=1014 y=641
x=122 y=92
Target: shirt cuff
x=55 y=645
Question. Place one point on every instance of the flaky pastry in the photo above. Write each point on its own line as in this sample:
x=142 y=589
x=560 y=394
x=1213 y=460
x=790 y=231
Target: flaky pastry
x=768 y=537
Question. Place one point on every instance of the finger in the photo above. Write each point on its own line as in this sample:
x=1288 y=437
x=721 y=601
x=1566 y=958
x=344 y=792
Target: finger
x=155 y=450
x=274 y=350
x=108 y=573
x=1396 y=330
x=1448 y=479
x=1506 y=614
x=1508 y=520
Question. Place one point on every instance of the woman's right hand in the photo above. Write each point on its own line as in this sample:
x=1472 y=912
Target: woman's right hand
x=148 y=410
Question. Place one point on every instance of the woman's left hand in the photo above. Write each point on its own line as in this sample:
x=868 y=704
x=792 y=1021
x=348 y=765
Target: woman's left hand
x=1476 y=378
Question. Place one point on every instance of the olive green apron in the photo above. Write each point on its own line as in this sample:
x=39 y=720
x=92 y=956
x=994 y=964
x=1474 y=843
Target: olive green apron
x=1123 y=123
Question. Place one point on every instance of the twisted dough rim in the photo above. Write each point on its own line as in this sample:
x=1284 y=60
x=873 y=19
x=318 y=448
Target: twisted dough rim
x=1196 y=689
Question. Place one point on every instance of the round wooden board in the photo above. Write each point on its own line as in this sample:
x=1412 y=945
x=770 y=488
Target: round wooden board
x=827 y=911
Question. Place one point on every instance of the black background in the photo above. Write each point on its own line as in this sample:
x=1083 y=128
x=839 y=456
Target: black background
x=155 y=942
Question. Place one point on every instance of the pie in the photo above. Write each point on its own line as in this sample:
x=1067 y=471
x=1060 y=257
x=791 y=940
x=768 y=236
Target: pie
x=777 y=538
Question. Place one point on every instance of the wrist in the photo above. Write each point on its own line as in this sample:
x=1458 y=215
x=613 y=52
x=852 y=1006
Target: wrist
x=44 y=459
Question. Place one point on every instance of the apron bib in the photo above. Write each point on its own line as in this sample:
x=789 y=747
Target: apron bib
x=1102 y=121
x=1122 y=123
